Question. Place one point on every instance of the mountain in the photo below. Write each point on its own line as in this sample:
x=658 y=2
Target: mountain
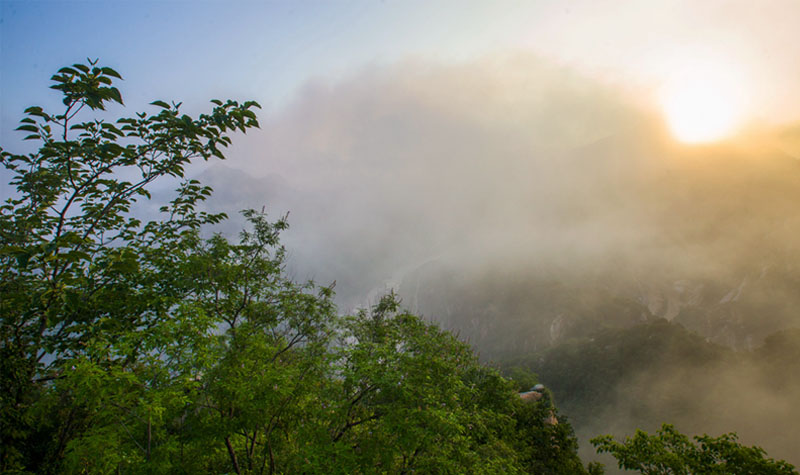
x=645 y=282
x=617 y=380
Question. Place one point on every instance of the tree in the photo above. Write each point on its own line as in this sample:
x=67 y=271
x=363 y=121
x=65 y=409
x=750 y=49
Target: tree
x=144 y=347
x=105 y=324
x=670 y=452
x=408 y=385
x=413 y=398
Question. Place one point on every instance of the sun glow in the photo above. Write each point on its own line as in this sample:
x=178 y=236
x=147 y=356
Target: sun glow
x=703 y=103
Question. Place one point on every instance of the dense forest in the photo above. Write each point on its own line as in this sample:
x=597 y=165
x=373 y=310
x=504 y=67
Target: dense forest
x=148 y=346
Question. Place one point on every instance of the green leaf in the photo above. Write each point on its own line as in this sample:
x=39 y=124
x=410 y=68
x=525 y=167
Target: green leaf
x=22 y=259
x=110 y=72
x=116 y=95
x=67 y=70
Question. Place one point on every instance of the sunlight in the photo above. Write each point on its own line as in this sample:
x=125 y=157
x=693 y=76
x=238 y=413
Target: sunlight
x=703 y=104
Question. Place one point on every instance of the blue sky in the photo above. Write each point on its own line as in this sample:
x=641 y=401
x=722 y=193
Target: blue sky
x=195 y=50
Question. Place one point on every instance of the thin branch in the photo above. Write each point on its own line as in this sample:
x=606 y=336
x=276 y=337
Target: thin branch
x=351 y=424
x=232 y=455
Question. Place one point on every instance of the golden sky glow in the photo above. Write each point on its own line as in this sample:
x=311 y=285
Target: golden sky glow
x=704 y=102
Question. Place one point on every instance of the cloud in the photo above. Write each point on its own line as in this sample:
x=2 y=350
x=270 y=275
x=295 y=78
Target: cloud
x=517 y=165
x=419 y=159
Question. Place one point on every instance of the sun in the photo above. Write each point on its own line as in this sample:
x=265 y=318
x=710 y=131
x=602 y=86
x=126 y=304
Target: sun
x=703 y=104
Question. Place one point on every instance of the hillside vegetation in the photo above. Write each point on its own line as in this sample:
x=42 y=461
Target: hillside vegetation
x=618 y=380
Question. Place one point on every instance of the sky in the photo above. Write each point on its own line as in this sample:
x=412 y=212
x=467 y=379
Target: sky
x=267 y=51
x=461 y=101
x=364 y=98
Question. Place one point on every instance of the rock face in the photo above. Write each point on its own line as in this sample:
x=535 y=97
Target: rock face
x=530 y=396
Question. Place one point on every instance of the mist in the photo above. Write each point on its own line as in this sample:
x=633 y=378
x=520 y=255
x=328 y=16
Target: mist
x=523 y=205
x=418 y=162
x=518 y=164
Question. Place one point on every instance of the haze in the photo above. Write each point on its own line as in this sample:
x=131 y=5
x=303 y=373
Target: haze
x=523 y=173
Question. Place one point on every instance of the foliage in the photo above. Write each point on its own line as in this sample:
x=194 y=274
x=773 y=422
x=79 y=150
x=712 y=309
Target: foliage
x=659 y=371
x=94 y=312
x=413 y=387
x=134 y=347
x=670 y=452
x=523 y=379
x=625 y=370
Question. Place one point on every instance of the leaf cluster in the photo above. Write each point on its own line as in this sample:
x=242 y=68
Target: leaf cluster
x=671 y=452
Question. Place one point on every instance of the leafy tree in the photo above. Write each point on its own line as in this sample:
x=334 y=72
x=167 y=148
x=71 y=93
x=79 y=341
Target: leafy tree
x=415 y=398
x=144 y=347
x=670 y=452
x=412 y=387
x=103 y=333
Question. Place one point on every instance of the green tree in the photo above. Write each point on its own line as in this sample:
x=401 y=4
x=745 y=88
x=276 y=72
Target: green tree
x=670 y=452
x=144 y=347
x=415 y=398
x=409 y=386
x=108 y=331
